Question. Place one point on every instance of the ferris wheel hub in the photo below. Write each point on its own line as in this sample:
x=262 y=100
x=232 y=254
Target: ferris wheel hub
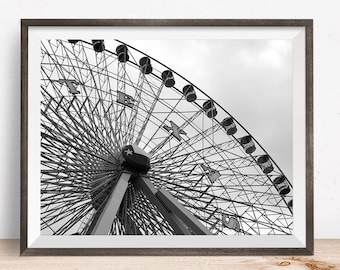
x=135 y=159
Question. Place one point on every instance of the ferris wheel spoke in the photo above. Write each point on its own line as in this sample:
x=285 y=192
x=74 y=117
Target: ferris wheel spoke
x=99 y=82
x=111 y=138
x=80 y=128
x=59 y=66
x=71 y=223
x=76 y=64
x=103 y=91
x=67 y=143
x=120 y=121
x=133 y=106
x=76 y=187
x=49 y=55
x=70 y=216
x=66 y=146
x=140 y=108
x=61 y=206
x=156 y=93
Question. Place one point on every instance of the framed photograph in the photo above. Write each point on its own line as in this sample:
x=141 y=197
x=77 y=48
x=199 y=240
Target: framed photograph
x=166 y=137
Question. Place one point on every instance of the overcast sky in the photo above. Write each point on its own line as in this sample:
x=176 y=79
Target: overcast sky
x=251 y=79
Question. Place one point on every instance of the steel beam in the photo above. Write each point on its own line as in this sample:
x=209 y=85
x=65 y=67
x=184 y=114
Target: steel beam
x=108 y=214
x=181 y=220
x=179 y=210
x=149 y=190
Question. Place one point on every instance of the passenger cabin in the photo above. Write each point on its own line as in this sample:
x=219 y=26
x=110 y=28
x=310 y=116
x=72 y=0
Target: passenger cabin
x=122 y=53
x=265 y=164
x=209 y=108
x=189 y=93
x=282 y=185
x=168 y=78
x=229 y=125
x=73 y=41
x=98 y=45
x=248 y=144
x=145 y=65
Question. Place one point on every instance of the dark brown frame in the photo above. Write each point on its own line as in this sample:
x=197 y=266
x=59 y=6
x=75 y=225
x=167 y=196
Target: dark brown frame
x=307 y=24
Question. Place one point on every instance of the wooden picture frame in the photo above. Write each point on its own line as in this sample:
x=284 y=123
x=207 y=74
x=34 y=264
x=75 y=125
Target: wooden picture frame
x=300 y=34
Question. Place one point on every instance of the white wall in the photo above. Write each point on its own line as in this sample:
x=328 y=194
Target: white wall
x=326 y=82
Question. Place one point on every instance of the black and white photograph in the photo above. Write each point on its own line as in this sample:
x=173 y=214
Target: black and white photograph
x=129 y=145
x=164 y=137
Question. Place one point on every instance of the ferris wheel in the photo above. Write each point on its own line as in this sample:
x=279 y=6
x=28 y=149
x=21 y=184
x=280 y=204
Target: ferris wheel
x=131 y=147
